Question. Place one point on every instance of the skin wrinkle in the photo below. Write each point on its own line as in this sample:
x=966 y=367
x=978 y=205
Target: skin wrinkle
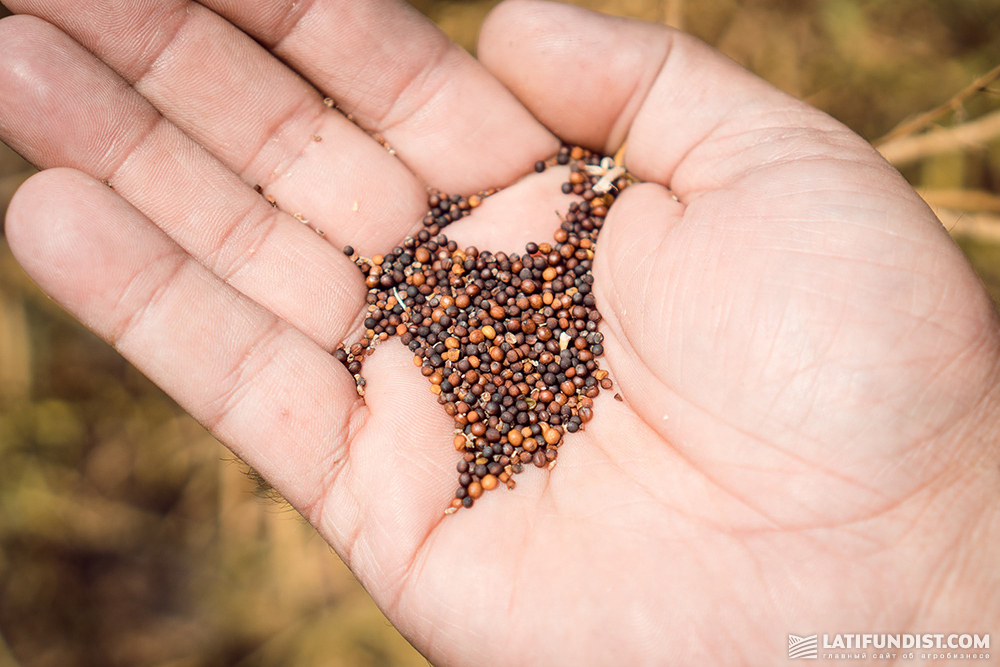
x=616 y=465
x=772 y=348
x=365 y=119
x=932 y=489
x=685 y=195
x=414 y=567
x=125 y=325
x=654 y=252
x=225 y=260
x=365 y=92
x=886 y=266
x=937 y=578
x=729 y=302
x=347 y=545
x=517 y=579
x=445 y=633
x=295 y=12
x=756 y=622
x=136 y=81
x=622 y=120
x=983 y=398
x=936 y=374
x=691 y=464
x=335 y=462
x=615 y=509
x=933 y=486
x=759 y=511
x=922 y=497
x=744 y=173
x=95 y=42
x=612 y=508
x=275 y=171
x=835 y=256
x=242 y=375
x=111 y=176
x=418 y=83
x=768 y=412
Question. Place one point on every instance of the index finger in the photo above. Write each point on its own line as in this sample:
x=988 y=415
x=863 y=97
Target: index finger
x=397 y=74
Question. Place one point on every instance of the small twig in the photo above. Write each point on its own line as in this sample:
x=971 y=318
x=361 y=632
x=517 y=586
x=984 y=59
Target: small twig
x=954 y=104
x=979 y=201
x=979 y=227
x=607 y=181
x=974 y=134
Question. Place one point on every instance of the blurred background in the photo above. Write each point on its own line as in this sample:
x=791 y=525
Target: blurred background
x=129 y=536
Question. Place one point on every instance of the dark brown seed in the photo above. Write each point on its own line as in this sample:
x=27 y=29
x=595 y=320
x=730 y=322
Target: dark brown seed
x=539 y=459
x=510 y=343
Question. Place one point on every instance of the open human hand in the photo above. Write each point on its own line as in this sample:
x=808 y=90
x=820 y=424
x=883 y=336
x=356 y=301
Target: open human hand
x=811 y=369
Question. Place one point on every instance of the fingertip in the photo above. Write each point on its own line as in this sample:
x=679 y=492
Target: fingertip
x=31 y=54
x=40 y=203
x=58 y=228
x=582 y=73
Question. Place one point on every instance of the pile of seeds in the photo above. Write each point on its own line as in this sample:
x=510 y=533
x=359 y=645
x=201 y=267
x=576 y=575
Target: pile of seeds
x=508 y=343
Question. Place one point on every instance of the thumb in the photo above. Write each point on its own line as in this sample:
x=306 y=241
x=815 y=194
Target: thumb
x=694 y=119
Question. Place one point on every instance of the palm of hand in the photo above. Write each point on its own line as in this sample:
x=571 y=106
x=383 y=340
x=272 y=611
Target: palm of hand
x=800 y=348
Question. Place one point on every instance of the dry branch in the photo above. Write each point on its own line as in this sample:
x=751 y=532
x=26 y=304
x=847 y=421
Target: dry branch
x=980 y=227
x=954 y=104
x=974 y=134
